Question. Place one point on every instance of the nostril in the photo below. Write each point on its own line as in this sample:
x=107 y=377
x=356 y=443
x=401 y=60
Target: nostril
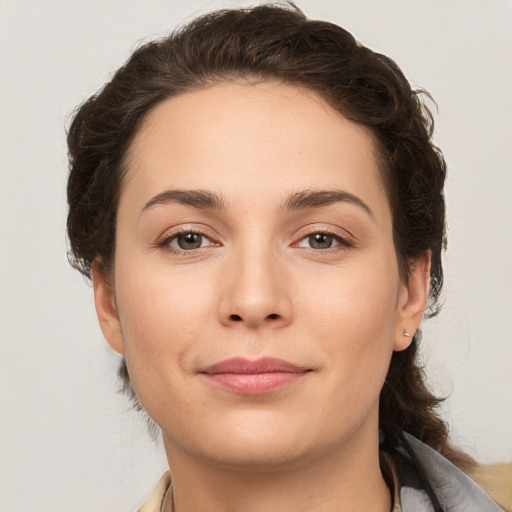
x=236 y=318
x=273 y=316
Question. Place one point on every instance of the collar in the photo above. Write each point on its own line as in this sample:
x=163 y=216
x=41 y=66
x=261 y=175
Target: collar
x=431 y=483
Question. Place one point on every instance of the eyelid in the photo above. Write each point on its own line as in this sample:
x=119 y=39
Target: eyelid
x=343 y=238
x=163 y=242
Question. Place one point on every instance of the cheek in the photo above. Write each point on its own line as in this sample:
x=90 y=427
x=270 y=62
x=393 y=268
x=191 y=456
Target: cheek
x=163 y=318
x=355 y=329
x=357 y=299
x=162 y=311
x=353 y=318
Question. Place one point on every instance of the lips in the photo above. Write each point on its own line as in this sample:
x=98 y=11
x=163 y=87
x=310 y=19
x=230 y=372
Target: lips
x=263 y=375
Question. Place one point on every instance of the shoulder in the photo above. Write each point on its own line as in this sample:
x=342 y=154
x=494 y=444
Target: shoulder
x=496 y=479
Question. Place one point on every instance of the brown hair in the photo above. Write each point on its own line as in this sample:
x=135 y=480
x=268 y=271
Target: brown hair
x=276 y=43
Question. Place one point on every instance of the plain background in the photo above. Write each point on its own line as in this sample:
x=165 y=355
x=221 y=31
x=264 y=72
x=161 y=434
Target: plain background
x=67 y=440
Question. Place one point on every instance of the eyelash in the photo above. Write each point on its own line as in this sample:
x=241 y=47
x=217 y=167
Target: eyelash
x=343 y=241
x=166 y=241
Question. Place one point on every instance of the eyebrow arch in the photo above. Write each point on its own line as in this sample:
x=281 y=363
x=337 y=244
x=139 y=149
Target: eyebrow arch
x=203 y=199
x=318 y=198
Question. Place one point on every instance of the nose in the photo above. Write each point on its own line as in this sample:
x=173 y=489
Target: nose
x=256 y=292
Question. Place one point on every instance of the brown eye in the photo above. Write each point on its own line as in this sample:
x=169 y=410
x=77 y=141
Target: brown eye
x=189 y=241
x=320 y=241
x=186 y=241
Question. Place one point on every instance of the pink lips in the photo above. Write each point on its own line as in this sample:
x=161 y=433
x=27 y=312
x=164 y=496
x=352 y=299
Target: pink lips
x=253 y=377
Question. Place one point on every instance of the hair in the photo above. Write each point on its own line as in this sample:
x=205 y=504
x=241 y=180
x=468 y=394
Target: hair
x=276 y=43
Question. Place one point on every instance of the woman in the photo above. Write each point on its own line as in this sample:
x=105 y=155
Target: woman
x=260 y=207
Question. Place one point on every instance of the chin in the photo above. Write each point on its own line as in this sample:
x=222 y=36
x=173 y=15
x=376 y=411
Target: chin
x=262 y=454
x=262 y=441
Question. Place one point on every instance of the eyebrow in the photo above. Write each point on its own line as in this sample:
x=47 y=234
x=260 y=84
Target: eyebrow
x=307 y=199
x=310 y=199
x=202 y=199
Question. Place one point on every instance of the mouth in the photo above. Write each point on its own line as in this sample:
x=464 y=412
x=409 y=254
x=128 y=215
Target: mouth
x=262 y=375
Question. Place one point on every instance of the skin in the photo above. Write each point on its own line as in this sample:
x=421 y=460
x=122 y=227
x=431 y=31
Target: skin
x=259 y=286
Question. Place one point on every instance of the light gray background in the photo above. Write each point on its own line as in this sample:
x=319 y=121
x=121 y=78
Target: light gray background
x=67 y=440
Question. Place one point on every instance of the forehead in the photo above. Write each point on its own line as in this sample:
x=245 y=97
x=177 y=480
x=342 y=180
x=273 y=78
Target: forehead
x=253 y=142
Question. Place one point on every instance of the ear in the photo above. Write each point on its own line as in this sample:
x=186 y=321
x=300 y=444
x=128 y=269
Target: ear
x=104 y=300
x=412 y=302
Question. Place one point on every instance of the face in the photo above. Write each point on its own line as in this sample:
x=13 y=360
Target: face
x=256 y=290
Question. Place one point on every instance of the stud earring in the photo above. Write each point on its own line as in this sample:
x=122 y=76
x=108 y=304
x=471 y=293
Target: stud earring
x=406 y=334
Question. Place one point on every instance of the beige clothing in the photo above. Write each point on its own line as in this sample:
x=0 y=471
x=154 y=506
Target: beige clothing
x=496 y=479
x=156 y=501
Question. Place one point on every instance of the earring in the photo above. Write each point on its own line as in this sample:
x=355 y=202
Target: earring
x=406 y=334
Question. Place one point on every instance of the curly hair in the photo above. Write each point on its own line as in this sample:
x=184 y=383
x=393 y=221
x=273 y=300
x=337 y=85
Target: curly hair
x=276 y=43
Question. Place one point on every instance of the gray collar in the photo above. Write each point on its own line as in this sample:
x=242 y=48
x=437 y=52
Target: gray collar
x=431 y=483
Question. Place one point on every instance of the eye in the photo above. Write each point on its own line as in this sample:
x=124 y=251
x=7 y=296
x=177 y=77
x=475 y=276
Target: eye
x=186 y=241
x=322 y=241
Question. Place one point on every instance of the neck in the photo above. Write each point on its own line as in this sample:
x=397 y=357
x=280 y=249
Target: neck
x=343 y=480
